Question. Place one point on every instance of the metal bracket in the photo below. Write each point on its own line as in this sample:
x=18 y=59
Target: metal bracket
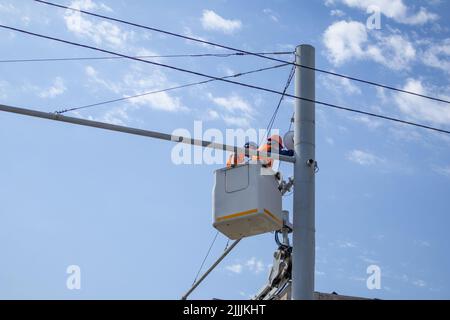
x=279 y=275
x=286 y=187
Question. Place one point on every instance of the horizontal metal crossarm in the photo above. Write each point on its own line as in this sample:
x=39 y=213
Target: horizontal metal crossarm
x=142 y=132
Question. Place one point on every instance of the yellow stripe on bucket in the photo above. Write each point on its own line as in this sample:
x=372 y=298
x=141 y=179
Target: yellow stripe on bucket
x=239 y=214
x=244 y=213
x=270 y=214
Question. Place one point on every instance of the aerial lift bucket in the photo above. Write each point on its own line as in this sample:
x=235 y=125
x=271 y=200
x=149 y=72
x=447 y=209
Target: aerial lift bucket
x=246 y=202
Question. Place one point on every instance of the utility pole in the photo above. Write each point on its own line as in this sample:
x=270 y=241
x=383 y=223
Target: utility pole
x=303 y=247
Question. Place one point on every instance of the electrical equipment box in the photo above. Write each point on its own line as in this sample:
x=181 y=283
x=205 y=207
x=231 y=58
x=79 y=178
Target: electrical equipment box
x=246 y=201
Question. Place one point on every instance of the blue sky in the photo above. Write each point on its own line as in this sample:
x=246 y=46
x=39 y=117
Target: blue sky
x=138 y=225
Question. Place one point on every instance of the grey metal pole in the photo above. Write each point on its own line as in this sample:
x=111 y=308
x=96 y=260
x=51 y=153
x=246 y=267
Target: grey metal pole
x=303 y=247
x=139 y=132
x=197 y=283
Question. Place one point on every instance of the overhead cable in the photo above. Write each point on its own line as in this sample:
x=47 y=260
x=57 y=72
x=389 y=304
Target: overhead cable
x=199 y=55
x=331 y=105
x=373 y=83
x=166 y=89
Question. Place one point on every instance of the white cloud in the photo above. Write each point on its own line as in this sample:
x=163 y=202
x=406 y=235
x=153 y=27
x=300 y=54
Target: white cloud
x=104 y=7
x=337 y=13
x=91 y=72
x=212 y=115
x=368 y=260
x=346 y=244
x=394 y=9
x=344 y=40
x=419 y=283
x=100 y=32
x=160 y=101
x=394 y=51
x=363 y=158
x=255 y=265
x=226 y=70
x=271 y=14
x=445 y=171
x=58 y=88
x=370 y=122
x=380 y=237
x=146 y=54
x=95 y=79
x=339 y=85
x=236 y=121
x=12 y=11
x=7 y=8
x=438 y=55
x=137 y=82
x=422 y=243
x=252 y=265
x=188 y=33
x=235 y=268
x=236 y=111
x=213 y=22
x=233 y=104
x=434 y=2
x=381 y=94
x=423 y=109
x=349 y=40
x=118 y=116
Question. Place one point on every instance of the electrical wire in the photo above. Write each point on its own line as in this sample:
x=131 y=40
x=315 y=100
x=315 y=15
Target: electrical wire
x=331 y=105
x=242 y=51
x=226 y=245
x=204 y=259
x=166 y=89
x=274 y=115
x=219 y=55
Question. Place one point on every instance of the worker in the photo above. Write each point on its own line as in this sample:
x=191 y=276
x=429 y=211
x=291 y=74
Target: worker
x=234 y=159
x=274 y=145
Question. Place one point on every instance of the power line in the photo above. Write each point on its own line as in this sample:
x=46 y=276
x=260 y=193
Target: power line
x=204 y=259
x=226 y=244
x=222 y=256
x=230 y=81
x=243 y=51
x=168 y=89
x=274 y=116
x=199 y=55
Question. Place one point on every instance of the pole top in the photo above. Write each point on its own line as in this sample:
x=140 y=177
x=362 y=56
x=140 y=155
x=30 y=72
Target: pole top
x=304 y=47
